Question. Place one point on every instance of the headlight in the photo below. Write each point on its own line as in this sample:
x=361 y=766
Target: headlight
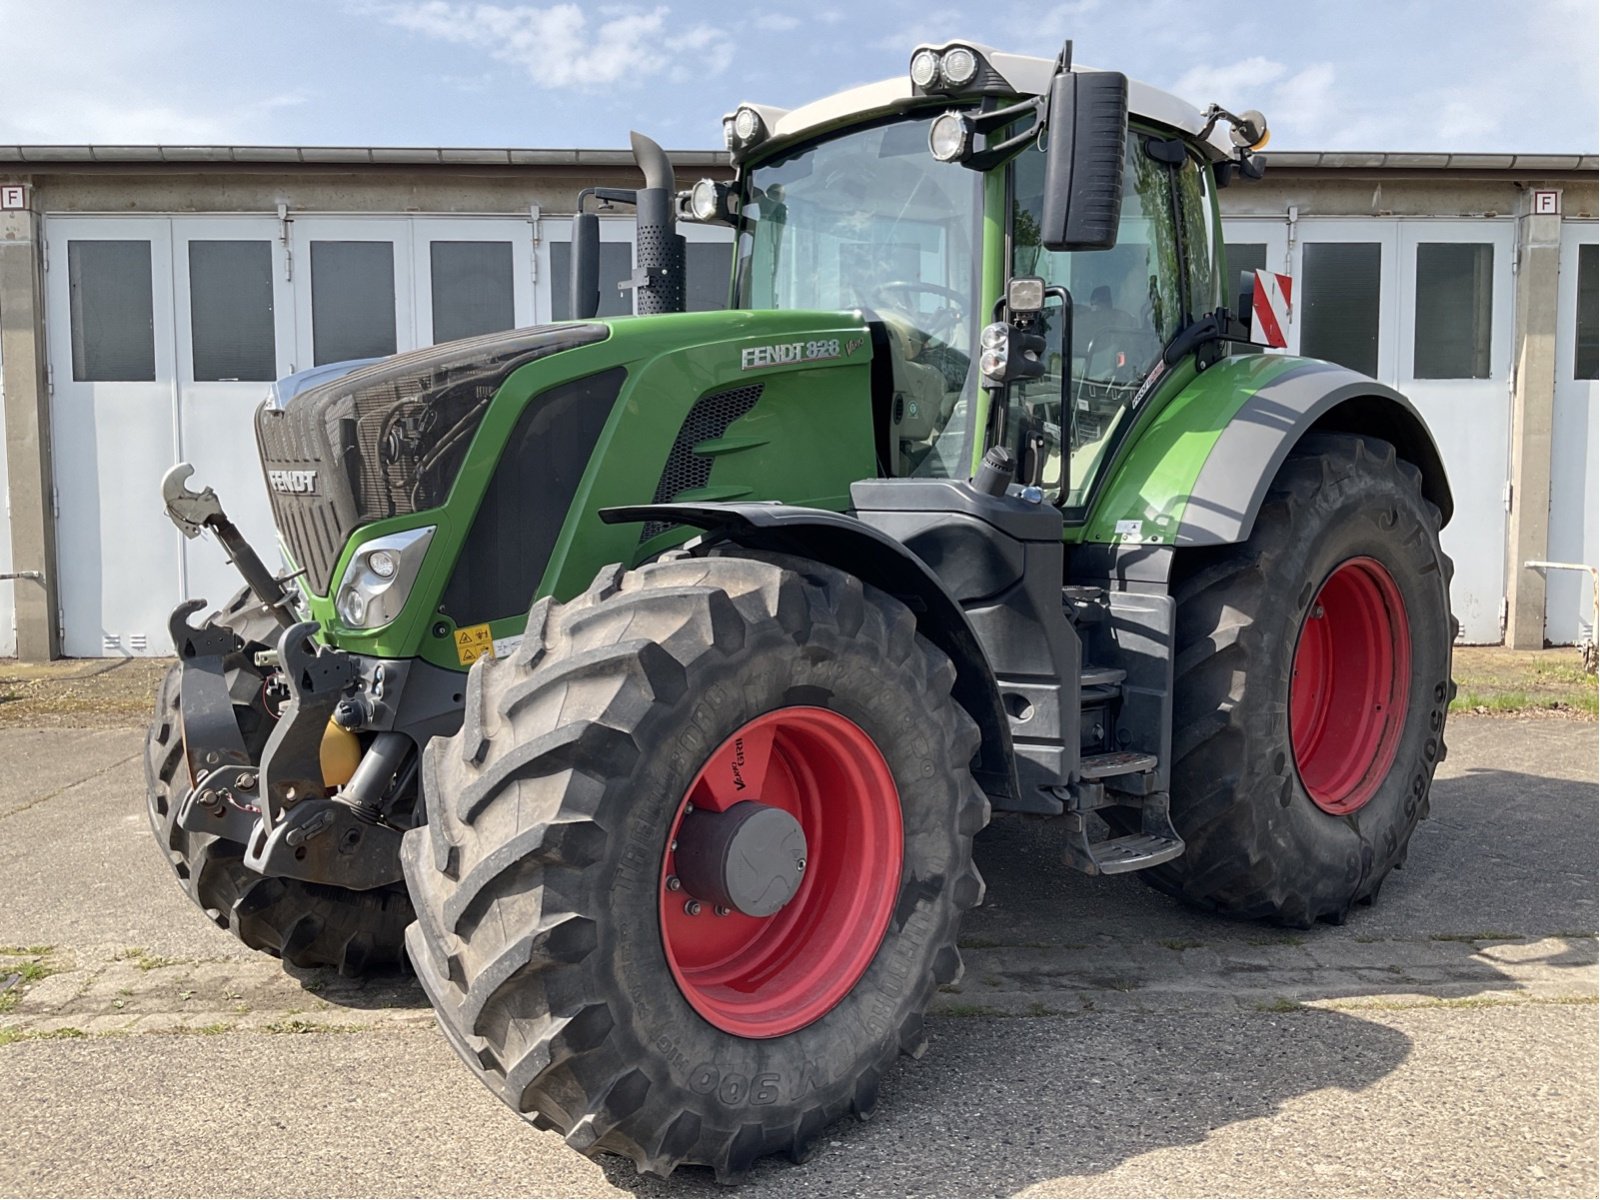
x=950 y=136
x=959 y=66
x=746 y=123
x=705 y=201
x=379 y=578
x=924 y=68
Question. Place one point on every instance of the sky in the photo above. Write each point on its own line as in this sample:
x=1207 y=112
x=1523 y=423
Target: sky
x=1420 y=75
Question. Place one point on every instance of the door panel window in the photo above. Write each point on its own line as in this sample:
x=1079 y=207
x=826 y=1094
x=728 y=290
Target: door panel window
x=1127 y=302
x=472 y=291
x=616 y=265
x=113 y=311
x=352 y=300
x=1202 y=283
x=230 y=311
x=1339 y=311
x=1455 y=310
x=1586 y=329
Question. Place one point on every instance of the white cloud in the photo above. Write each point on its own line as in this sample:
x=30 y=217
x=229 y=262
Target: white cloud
x=559 y=46
x=1242 y=84
x=776 y=22
x=939 y=25
x=73 y=76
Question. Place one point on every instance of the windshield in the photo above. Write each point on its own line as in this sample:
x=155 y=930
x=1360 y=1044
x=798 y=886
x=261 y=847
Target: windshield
x=871 y=220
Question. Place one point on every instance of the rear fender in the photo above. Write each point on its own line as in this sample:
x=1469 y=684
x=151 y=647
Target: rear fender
x=877 y=559
x=1247 y=455
x=1200 y=470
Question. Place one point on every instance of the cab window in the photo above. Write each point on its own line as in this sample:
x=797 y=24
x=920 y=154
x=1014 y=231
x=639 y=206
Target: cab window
x=1127 y=303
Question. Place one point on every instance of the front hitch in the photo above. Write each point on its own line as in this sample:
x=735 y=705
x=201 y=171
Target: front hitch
x=301 y=833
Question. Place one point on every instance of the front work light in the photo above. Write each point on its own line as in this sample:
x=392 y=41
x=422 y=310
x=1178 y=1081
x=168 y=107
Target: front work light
x=746 y=124
x=924 y=68
x=950 y=137
x=1009 y=353
x=379 y=578
x=705 y=200
x=959 y=66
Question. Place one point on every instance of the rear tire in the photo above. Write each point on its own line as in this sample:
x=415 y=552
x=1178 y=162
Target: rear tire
x=539 y=878
x=1279 y=823
x=305 y=924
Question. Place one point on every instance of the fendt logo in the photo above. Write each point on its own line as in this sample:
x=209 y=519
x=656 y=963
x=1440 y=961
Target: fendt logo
x=294 y=483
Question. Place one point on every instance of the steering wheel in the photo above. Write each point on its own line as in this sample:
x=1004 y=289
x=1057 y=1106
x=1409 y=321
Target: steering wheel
x=941 y=323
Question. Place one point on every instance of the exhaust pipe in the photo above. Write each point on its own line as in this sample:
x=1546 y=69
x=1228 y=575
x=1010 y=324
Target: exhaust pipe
x=659 y=255
x=658 y=277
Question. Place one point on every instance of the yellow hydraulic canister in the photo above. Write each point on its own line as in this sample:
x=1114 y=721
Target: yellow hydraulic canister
x=339 y=753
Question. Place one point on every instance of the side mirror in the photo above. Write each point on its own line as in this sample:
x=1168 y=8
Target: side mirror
x=1088 y=133
x=585 y=267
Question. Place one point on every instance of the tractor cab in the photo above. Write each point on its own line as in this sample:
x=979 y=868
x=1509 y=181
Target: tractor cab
x=916 y=200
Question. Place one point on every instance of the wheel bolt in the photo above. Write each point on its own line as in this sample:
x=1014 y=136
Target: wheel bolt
x=674 y=884
x=721 y=910
x=799 y=864
x=692 y=907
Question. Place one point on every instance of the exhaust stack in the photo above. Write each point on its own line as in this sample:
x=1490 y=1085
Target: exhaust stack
x=658 y=275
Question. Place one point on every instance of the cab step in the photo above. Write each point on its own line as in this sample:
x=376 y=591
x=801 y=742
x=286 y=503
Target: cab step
x=1155 y=843
x=1100 y=685
x=1119 y=762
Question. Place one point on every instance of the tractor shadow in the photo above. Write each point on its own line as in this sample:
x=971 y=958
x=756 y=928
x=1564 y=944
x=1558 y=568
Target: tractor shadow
x=1201 y=1024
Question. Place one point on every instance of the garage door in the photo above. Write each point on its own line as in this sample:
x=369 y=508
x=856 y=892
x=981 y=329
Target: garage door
x=1574 y=495
x=1424 y=306
x=164 y=334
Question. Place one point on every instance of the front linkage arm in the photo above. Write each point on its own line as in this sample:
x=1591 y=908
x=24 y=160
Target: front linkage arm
x=193 y=512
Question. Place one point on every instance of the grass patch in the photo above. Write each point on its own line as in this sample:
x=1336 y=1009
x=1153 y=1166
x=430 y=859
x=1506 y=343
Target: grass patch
x=1495 y=681
x=26 y=973
x=1122 y=984
x=210 y=1030
x=1281 y=1005
x=25 y=951
x=8 y=1036
x=1181 y=943
x=1484 y=936
x=301 y=1025
x=154 y=962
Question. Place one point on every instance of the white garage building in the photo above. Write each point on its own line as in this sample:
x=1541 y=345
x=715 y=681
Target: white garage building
x=148 y=294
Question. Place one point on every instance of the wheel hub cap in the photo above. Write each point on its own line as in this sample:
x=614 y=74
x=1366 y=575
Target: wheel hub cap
x=749 y=858
x=780 y=872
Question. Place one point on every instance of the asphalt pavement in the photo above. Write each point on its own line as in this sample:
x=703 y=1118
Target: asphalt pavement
x=1104 y=1040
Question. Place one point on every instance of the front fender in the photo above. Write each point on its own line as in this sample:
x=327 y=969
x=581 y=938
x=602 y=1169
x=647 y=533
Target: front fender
x=877 y=559
x=1203 y=466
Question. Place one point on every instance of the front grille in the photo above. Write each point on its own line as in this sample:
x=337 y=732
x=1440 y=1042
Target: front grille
x=706 y=420
x=388 y=439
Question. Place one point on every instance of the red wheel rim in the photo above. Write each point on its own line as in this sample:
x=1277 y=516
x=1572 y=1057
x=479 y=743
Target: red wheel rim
x=1348 y=697
x=761 y=977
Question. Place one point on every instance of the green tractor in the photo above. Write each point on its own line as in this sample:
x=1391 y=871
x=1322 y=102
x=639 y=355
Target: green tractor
x=646 y=681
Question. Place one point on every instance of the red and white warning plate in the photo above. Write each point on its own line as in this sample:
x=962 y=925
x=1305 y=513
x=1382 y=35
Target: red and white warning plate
x=1272 y=299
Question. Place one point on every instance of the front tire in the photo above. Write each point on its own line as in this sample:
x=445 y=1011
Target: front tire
x=552 y=936
x=1312 y=679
